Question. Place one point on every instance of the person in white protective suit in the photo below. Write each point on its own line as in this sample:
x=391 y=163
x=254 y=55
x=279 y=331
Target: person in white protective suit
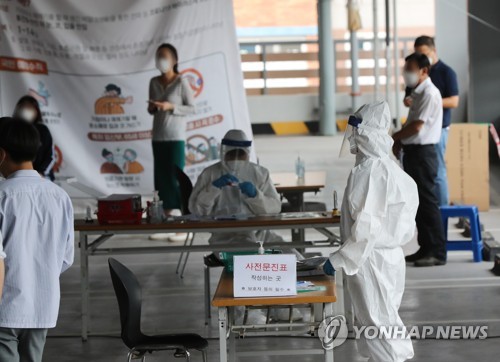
x=235 y=186
x=377 y=218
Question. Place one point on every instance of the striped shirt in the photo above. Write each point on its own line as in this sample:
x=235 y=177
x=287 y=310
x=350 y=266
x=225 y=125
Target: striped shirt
x=36 y=221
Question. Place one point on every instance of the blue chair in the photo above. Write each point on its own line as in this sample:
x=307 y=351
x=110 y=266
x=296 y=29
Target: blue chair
x=472 y=213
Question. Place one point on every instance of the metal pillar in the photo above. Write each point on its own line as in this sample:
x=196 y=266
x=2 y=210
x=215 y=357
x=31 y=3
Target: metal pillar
x=327 y=114
x=376 y=50
x=397 y=84
x=355 y=91
x=387 y=51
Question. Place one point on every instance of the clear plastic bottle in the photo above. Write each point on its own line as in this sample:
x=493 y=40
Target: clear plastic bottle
x=300 y=168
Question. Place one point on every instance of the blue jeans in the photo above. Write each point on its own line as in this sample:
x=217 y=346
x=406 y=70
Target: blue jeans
x=442 y=178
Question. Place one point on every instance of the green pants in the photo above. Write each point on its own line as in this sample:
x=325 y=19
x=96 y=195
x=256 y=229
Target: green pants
x=167 y=155
x=22 y=345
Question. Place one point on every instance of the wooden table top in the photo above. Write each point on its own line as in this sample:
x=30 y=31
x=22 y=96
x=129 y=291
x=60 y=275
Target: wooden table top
x=285 y=220
x=224 y=294
x=288 y=182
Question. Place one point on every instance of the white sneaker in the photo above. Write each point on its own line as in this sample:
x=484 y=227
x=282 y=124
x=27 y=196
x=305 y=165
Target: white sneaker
x=178 y=237
x=161 y=236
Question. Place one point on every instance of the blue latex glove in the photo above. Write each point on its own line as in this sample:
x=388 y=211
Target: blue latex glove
x=328 y=268
x=248 y=189
x=225 y=180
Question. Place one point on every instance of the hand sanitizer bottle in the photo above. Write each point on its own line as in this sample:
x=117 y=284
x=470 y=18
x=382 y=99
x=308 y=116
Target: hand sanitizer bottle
x=300 y=169
x=261 y=248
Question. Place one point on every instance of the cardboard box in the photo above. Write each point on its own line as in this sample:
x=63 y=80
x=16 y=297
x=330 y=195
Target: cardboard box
x=467 y=163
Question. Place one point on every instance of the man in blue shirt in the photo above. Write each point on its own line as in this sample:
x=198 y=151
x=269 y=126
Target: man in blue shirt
x=36 y=222
x=445 y=79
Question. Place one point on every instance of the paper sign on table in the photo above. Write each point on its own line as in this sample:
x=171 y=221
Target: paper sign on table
x=272 y=275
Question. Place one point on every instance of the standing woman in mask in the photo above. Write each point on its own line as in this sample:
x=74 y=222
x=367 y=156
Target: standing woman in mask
x=27 y=108
x=171 y=99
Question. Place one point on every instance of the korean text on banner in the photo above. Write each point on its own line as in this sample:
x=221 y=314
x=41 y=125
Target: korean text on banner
x=89 y=63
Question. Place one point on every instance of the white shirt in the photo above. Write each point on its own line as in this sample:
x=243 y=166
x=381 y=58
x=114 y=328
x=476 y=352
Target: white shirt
x=36 y=221
x=171 y=125
x=427 y=106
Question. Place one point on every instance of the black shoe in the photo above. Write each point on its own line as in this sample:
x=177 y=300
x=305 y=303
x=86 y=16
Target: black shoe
x=429 y=261
x=414 y=257
x=212 y=261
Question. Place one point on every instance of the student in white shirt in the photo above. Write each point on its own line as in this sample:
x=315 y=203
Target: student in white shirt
x=36 y=221
x=418 y=139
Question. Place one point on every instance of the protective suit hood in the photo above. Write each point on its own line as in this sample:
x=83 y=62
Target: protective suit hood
x=237 y=141
x=372 y=136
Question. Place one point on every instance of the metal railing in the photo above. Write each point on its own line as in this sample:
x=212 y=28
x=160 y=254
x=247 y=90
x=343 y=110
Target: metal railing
x=291 y=67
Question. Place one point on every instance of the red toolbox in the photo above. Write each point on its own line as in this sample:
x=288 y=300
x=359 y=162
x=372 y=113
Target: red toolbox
x=120 y=209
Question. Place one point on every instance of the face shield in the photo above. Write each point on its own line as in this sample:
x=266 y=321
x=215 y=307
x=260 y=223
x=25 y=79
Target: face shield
x=235 y=155
x=349 y=145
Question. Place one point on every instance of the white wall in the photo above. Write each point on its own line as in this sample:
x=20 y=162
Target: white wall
x=301 y=107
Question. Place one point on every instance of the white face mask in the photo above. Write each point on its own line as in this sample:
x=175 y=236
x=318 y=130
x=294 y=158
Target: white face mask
x=235 y=166
x=411 y=79
x=163 y=65
x=27 y=114
x=431 y=60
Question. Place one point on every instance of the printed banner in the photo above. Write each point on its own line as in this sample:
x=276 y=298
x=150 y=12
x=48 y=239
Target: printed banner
x=89 y=63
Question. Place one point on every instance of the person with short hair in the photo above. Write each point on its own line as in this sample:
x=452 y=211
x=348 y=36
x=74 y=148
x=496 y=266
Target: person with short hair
x=445 y=79
x=36 y=221
x=418 y=138
x=28 y=109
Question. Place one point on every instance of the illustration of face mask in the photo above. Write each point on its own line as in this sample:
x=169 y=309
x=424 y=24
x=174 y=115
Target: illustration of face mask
x=163 y=65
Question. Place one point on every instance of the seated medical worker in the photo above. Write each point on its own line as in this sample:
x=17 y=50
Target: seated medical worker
x=235 y=186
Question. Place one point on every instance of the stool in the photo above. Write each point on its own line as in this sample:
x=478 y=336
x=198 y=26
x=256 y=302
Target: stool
x=471 y=212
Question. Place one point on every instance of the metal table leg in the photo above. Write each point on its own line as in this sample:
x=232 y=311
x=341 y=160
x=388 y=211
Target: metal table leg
x=223 y=324
x=328 y=312
x=232 y=341
x=84 y=273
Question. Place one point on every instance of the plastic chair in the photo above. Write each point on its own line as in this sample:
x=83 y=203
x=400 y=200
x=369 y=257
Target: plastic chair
x=129 y=296
x=186 y=188
x=472 y=213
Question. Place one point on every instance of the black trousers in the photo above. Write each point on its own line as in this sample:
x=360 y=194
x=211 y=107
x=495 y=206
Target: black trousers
x=421 y=163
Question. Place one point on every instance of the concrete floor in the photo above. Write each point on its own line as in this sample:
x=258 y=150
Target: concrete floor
x=462 y=292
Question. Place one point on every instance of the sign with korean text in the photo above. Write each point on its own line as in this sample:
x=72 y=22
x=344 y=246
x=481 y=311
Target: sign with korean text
x=272 y=275
x=89 y=64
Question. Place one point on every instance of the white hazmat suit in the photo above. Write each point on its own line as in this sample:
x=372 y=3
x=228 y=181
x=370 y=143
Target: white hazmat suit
x=207 y=199
x=377 y=218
